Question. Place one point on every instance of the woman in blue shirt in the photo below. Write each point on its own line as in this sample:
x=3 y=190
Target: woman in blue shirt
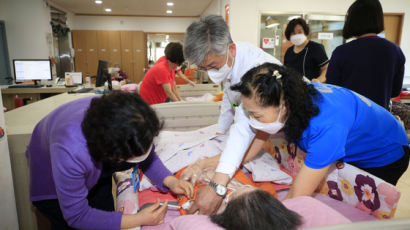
x=328 y=122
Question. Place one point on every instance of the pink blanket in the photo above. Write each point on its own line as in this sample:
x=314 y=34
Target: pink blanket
x=314 y=213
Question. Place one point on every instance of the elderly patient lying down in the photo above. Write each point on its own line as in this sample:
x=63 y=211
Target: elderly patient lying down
x=250 y=207
x=249 y=204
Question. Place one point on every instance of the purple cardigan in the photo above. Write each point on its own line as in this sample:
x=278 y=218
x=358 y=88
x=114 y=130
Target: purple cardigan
x=62 y=168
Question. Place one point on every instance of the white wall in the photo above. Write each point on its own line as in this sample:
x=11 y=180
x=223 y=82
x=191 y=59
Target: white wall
x=8 y=217
x=27 y=28
x=146 y=24
x=2 y=9
x=245 y=16
x=213 y=8
x=216 y=7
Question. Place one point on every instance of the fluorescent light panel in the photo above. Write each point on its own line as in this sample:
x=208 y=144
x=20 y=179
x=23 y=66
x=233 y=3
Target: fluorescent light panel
x=272 y=25
x=98 y=2
x=108 y=10
x=169 y=11
x=170 y=3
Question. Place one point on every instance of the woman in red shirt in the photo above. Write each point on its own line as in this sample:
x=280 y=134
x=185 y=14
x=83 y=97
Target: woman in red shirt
x=159 y=82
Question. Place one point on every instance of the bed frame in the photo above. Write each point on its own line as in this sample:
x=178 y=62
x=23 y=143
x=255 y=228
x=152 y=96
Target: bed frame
x=198 y=90
x=187 y=115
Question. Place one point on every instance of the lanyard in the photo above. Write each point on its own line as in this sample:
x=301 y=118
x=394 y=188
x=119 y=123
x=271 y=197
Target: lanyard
x=230 y=101
x=135 y=178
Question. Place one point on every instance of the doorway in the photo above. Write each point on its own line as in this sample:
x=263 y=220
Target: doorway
x=393 y=25
x=324 y=29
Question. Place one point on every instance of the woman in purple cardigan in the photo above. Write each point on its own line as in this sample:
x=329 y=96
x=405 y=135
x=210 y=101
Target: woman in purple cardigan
x=75 y=149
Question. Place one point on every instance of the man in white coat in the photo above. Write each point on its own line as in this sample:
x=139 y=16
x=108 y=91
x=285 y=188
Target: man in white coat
x=209 y=45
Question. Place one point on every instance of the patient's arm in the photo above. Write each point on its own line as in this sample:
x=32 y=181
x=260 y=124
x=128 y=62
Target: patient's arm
x=193 y=171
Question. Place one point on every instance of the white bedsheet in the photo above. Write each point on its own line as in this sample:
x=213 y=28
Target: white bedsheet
x=179 y=149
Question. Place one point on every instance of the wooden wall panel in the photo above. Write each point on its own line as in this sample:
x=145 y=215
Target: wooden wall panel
x=126 y=54
x=139 y=54
x=92 y=52
x=125 y=48
x=103 y=45
x=114 y=47
x=80 y=51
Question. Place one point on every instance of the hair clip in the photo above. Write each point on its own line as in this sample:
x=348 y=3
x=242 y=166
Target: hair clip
x=277 y=74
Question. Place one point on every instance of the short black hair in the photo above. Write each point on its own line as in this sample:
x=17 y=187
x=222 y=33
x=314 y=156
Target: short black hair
x=256 y=210
x=174 y=53
x=119 y=126
x=293 y=23
x=363 y=16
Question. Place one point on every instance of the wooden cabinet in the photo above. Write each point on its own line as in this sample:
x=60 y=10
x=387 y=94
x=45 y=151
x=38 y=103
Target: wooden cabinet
x=80 y=51
x=92 y=52
x=103 y=46
x=139 y=53
x=125 y=48
x=114 y=43
x=133 y=54
x=126 y=54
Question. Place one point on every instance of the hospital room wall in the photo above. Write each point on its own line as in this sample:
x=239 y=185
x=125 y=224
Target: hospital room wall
x=245 y=16
x=28 y=28
x=216 y=7
x=146 y=24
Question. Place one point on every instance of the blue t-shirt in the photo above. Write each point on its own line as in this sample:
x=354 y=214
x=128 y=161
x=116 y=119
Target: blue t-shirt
x=351 y=128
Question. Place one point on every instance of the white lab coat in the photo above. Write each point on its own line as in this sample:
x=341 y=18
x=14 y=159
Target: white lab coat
x=240 y=134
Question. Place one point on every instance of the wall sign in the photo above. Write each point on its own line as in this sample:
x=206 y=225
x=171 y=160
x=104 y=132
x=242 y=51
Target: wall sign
x=325 y=36
x=268 y=43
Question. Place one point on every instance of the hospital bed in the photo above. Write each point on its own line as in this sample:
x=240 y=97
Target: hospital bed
x=187 y=115
x=339 y=183
x=198 y=90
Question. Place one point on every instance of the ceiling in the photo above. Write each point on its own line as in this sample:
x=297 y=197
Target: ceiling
x=181 y=8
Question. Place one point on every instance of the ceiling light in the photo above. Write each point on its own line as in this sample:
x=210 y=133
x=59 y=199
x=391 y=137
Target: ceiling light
x=272 y=25
x=169 y=11
x=98 y=2
x=107 y=10
x=170 y=3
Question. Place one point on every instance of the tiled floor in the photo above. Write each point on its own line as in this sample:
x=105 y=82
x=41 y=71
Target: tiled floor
x=403 y=209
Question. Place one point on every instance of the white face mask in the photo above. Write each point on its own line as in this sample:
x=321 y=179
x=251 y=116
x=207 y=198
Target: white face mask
x=217 y=76
x=298 y=39
x=271 y=128
x=140 y=158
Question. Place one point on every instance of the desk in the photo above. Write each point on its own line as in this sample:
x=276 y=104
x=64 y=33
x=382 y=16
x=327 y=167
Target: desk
x=20 y=124
x=35 y=94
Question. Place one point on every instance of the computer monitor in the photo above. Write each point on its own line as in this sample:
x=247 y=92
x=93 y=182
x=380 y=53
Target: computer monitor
x=103 y=75
x=32 y=70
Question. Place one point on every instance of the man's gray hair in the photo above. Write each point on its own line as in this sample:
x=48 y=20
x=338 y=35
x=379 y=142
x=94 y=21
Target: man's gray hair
x=207 y=34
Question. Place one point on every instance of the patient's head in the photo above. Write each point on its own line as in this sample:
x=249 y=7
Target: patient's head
x=252 y=208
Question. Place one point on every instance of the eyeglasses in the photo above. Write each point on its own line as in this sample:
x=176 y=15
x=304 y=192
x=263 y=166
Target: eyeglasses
x=213 y=65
